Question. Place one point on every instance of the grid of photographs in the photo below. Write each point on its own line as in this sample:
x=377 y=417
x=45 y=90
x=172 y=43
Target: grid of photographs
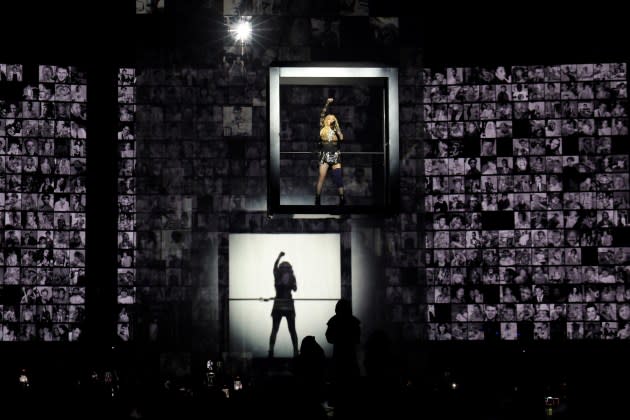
x=42 y=202
x=126 y=141
x=189 y=174
x=527 y=202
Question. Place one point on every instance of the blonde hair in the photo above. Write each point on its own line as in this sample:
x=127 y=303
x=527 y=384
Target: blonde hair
x=323 y=133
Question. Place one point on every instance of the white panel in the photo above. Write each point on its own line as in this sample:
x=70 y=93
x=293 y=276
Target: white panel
x=350 y=72
x=250 y=326
x=315 y=258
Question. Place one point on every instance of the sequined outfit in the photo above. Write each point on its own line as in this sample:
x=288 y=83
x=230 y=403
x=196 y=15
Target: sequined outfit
x=329 y=149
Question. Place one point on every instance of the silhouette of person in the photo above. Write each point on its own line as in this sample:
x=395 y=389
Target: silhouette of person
x=343 y=333
x=284 y=282
x=311 y=364
x=310 y=372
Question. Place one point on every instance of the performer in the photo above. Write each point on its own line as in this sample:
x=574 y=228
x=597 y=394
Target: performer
x=284 y=282
x=330 y=136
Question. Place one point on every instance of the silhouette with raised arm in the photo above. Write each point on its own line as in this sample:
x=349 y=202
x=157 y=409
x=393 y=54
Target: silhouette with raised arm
x=285 y=284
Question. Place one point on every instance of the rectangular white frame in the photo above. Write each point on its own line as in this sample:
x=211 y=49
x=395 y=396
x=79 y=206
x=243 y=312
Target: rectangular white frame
x=342 y=74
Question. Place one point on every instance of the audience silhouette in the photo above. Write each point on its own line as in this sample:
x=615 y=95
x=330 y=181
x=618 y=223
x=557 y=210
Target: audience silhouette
x=310 y=373
x=344 y=333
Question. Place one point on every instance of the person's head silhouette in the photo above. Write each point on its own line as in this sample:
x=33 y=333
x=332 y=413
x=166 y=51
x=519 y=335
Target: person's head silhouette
x=286 y=266
x=343 y=307
x=309 y=346
x=286 y=272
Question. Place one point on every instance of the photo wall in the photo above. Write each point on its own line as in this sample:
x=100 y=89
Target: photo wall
x=527 y=202
x=43 y=135
x=155 y=206
x=126 y=253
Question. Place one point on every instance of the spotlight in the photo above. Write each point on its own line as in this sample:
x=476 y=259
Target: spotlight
x=242 y=31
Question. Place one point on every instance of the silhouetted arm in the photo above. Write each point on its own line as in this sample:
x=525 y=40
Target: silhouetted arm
x=275 y=265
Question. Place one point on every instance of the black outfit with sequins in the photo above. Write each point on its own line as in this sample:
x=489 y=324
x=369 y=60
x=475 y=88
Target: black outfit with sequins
x=329 y=149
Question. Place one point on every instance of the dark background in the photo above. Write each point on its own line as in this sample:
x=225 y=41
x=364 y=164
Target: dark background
x=105 y=36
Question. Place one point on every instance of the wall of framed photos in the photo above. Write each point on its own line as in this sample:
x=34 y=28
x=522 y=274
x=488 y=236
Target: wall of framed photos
x=126 y=241
x=527 y=202
x=43 y=135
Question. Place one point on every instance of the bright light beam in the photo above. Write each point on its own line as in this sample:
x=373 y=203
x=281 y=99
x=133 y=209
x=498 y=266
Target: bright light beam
x=242 y=31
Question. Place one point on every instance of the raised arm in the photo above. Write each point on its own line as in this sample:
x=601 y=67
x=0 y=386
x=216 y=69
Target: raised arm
x=322 y=114
x=275 y=265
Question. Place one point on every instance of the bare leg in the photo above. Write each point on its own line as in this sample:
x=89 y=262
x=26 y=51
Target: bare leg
x=274 y=333
x=293 y=333
x=323 y=169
